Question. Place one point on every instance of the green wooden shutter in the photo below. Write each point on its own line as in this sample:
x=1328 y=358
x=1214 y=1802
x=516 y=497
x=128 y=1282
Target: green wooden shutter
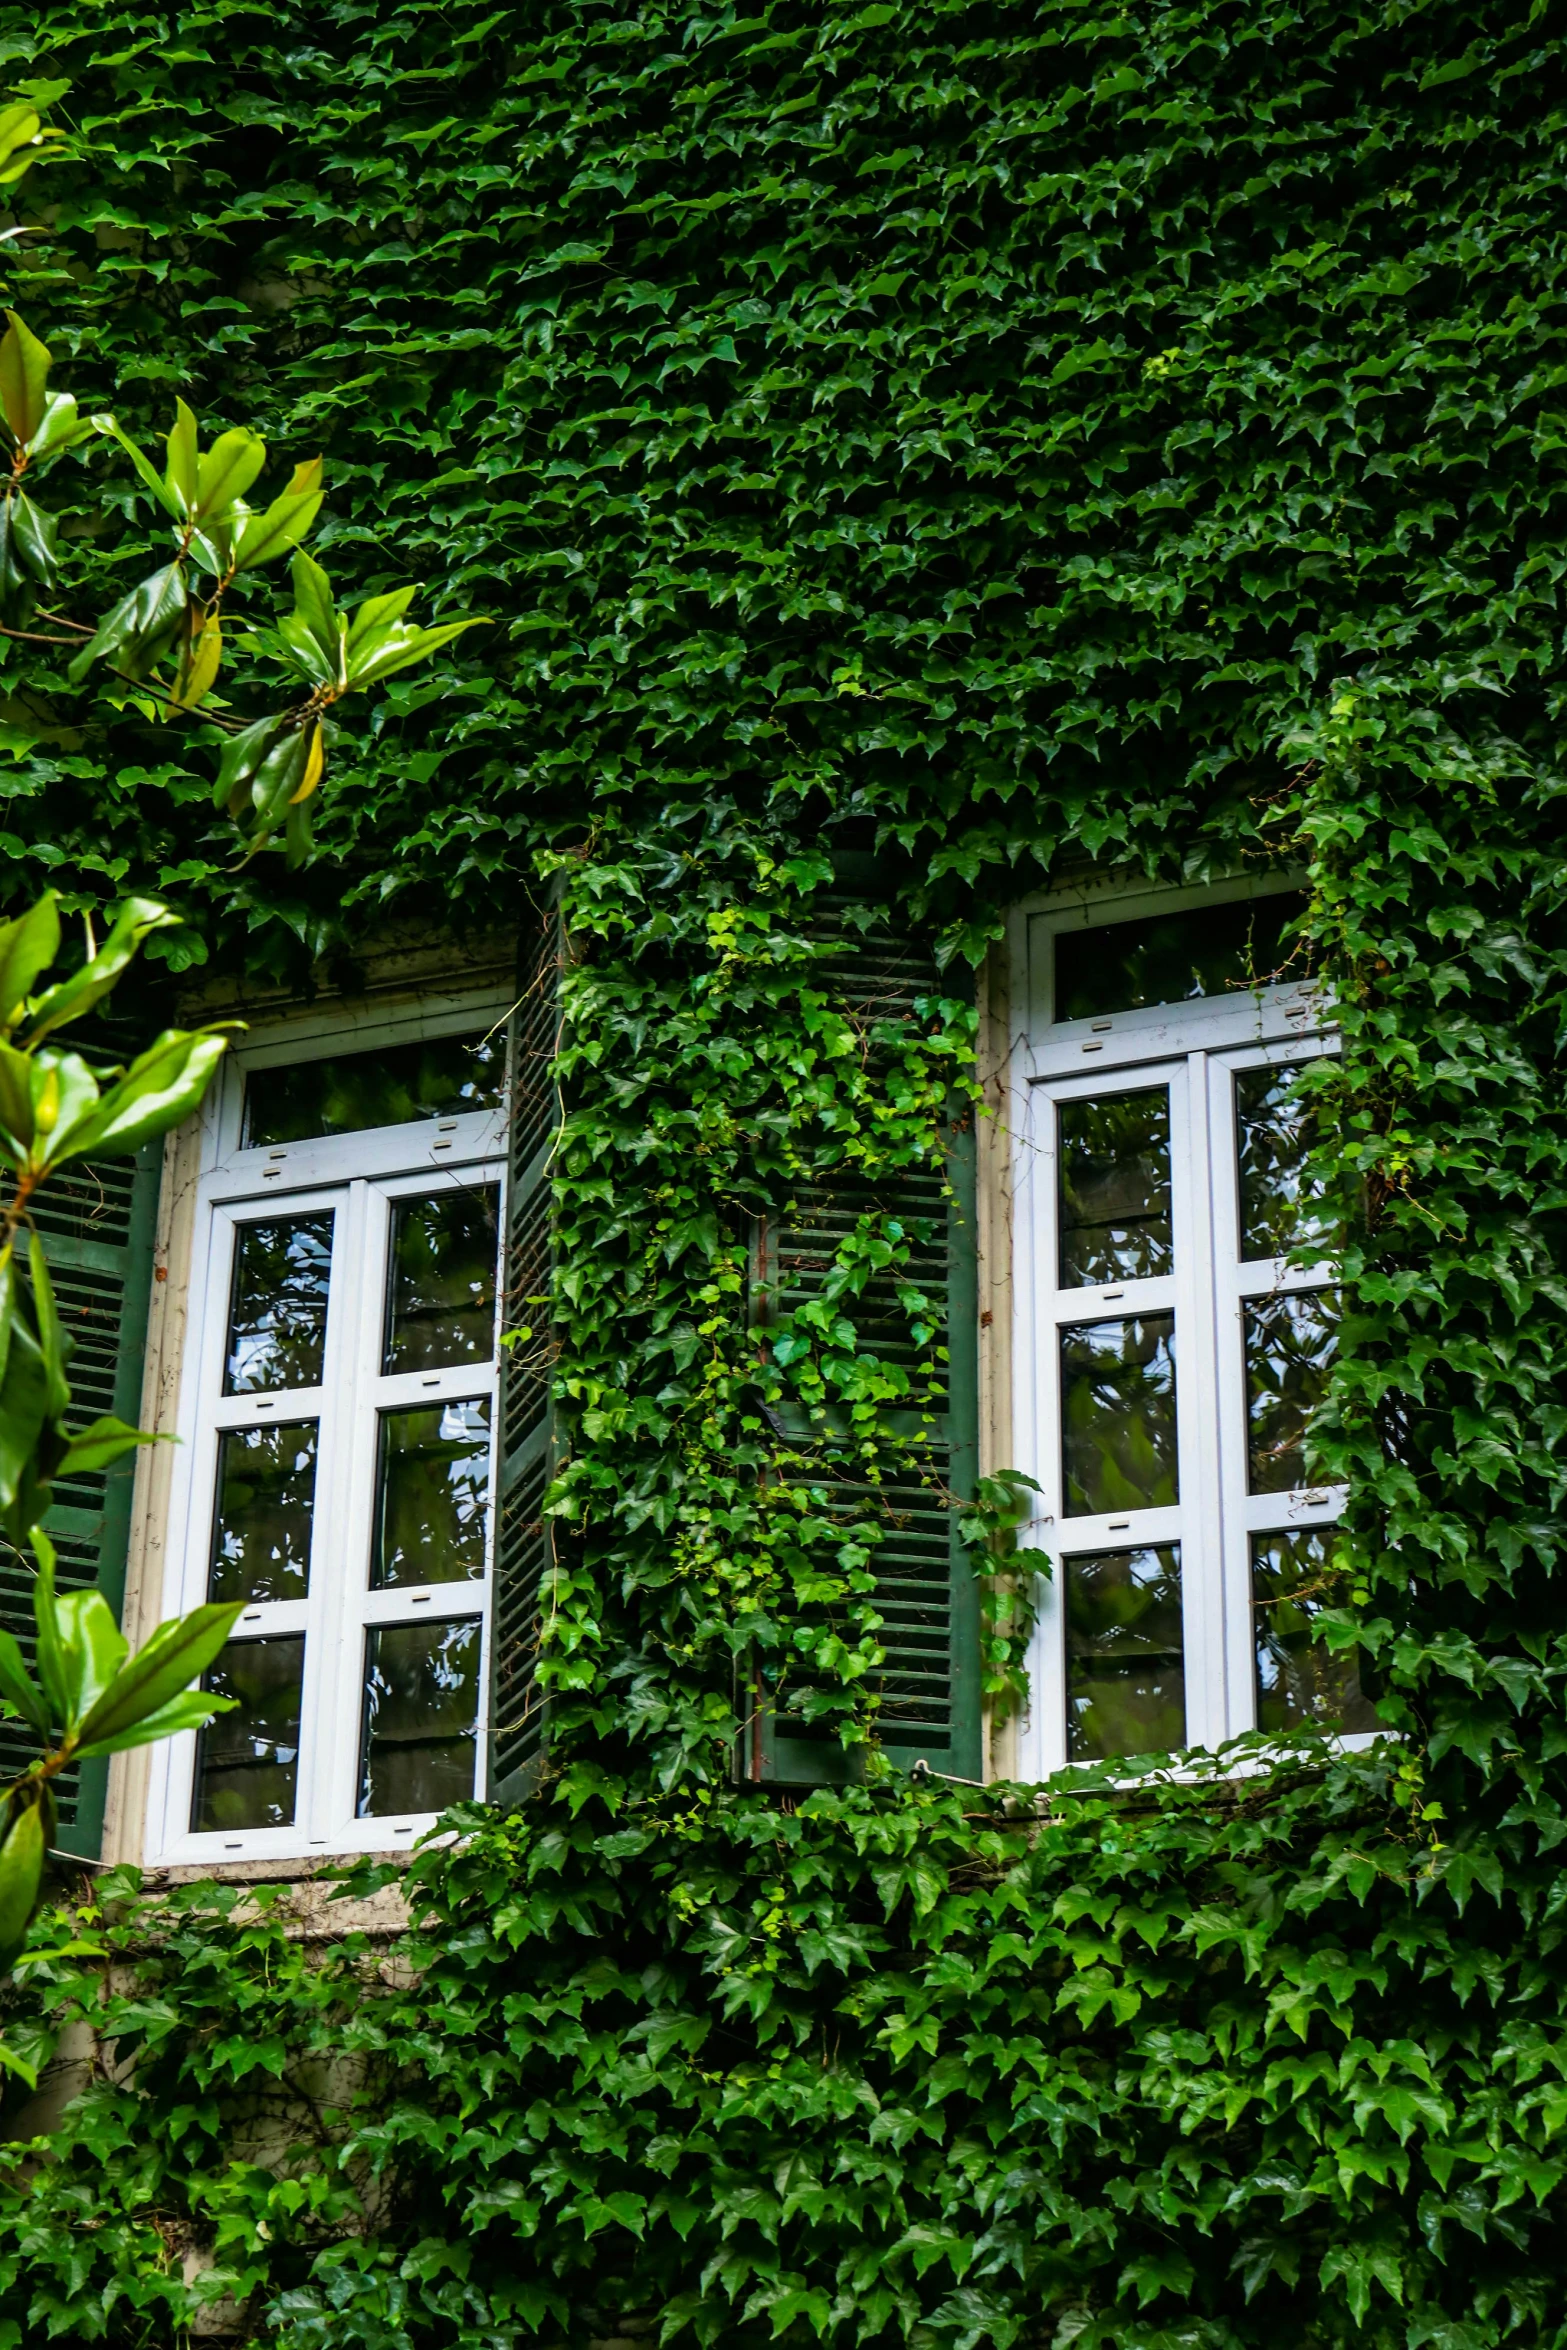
x=926 y=1592
x=97 y=1224
x=524 y=1537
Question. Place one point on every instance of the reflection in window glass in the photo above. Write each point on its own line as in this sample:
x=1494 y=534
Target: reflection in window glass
x=247 y=1761
x=446 y=1077
x=1125 y=1679
x=266 y=1496
x=1282 y=1205
x=432 y=1494
x=1119 y=966
x=419 y=1741
x=441 y=1302
x=1290 y=1344
x=1299 y=1678
x=1115 y=1189
x=1118 y=1415
x=277 y=1310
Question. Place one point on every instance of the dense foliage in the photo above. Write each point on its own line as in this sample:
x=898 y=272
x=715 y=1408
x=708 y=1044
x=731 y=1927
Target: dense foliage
x=1022 y=437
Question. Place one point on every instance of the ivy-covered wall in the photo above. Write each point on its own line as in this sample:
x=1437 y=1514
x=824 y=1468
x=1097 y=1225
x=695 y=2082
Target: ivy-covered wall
x=1013 y=438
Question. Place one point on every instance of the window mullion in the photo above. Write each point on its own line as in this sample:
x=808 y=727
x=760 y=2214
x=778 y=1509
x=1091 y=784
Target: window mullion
x=338 y=1554
x=1230 y=1284
x=1197 y=1347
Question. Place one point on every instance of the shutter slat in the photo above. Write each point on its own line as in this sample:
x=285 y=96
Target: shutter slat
x=925 y=1591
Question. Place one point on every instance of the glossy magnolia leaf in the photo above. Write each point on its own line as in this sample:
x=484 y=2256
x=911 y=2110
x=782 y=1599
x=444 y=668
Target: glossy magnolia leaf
x=313 y=633
x=46 y=1320
x=181 y=474
x=105 y=1440
x=21 y=1872
x=277 y=780
x=199 y=664
x=8 y=1287
x=28 y=945
x=35 y=534
x=92 y=1650
x=243 y=755
x=141 y=627
x=225 y=472
x=354 y=650
x=24 y=1412
x=188 y=1712
x=62 y=428
x=19 y=1692
x=19 y=126
x=49 y=1660
x=162 y=1669
x=282 y=525
x=134 y=920
x=23 y=141
x=24 y=376
x=162 y=1086
x=151 y=478
x=399 y=647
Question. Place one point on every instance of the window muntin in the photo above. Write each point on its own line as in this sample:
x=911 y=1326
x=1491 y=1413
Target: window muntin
x=337 y=1473
x=1170 y=1352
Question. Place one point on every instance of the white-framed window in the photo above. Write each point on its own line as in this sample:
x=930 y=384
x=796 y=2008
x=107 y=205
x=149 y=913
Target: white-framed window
x=336 y=1423
x=1167 y=1352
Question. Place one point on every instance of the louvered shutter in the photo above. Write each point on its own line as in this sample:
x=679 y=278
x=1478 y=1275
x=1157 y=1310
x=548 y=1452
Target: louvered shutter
x=524 y=1537
x=97 y=1225
x=926 y=1593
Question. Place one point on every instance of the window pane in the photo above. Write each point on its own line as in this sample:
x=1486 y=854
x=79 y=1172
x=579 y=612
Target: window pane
x=266 y=1494
x=433 y=1489
x=419 y=1741
x=1299 y=1679
x=247 y=1762
x=444 y=1078
x=1290 y=1344
x=1118 y=1415
x=1115 y=1189
x=1117 y=966
x=1125 y=1682
x=277 y=1313
x=1282 y=1207
x=441 y=1308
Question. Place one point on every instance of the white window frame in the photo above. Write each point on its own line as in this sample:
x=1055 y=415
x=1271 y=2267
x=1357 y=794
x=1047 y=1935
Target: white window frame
x=361 y=1176
x=1196 y=1047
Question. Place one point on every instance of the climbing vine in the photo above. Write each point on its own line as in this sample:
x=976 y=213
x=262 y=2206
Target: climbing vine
x=1009 y=441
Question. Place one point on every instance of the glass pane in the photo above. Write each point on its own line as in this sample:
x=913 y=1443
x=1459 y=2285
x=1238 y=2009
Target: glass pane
x=1290 y=1344
x=247 y=1762
x=419 y=1742
x=1118 y=1415
x=1282 y=1207
x=1115 y=1189
x=441 y=1308
x=1299 y=1679
x=277 y=1311
x=433 y=1489
x=266 y=1493
x=1125 y=1681
x=444 y=1078
x=1117 y=966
